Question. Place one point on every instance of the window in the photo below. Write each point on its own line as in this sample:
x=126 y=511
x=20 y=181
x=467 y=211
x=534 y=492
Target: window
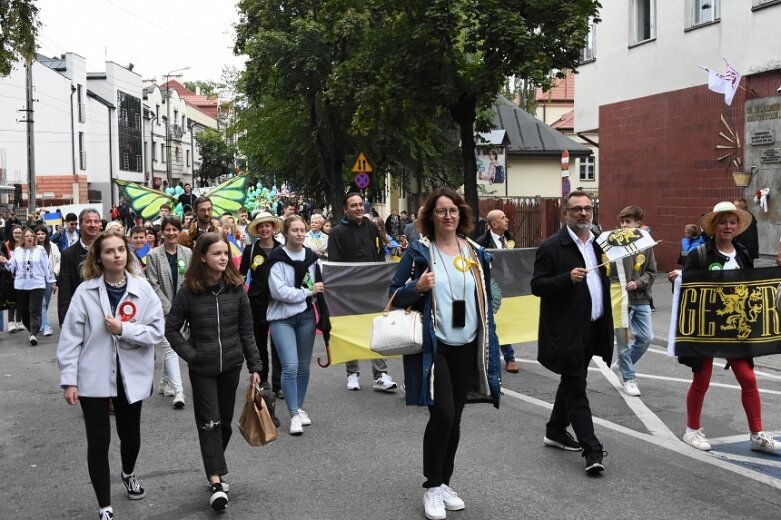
x=587 y=168
x=126 y=161
x=188 y=157
x=157 y=113
x=139 y=164
x=82 y=153
x=642 y=18
x=701 y=12
x=760 y=3
x=178 y=155
x=162 y=152
x=138 y=120
x=81 y=106
x=588 y=53
x=129 y=139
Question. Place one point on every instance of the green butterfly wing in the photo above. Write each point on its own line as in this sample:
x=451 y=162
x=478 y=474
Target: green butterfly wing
x=229 y=196
x=145 y=201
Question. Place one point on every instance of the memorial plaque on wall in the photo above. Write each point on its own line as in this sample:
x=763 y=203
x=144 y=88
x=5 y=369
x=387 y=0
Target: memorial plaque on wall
x=762 y=137
x=762 y=156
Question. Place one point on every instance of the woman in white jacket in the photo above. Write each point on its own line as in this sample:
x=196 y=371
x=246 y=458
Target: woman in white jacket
x=32 y=272
x=106 y=353
x=42 y=235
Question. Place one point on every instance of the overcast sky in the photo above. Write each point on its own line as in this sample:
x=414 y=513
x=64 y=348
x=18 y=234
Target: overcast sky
x=157 y=36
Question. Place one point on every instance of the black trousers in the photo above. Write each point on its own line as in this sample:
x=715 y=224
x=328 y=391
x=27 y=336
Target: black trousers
x=98 y=425
x=571 y=405
x=453 y=370
x=29 y=305
x=260 y=328
x=213 y=400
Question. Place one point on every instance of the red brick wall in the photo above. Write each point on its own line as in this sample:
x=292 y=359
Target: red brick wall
x=659 y=152
x=60 y=185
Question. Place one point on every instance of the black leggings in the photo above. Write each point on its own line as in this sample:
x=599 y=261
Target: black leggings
x=453 y=370
x=98 y=425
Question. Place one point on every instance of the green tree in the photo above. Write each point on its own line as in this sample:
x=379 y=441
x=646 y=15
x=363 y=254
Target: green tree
x=301 y=120
x=208 y=88
x=216 y=155
x=456 y=55
x=19 y=26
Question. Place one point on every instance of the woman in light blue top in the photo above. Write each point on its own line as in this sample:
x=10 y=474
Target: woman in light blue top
x=294 y=280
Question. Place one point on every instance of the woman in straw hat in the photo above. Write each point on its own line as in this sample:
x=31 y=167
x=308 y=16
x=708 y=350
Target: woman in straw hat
x=254 y=267
x=723 y=252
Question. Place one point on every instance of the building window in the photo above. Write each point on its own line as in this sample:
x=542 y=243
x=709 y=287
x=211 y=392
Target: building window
x=642 y=16
x=587 y=168
x=702 y=12
x=188 y=157
x=80 y=105
x=129 y=141
x=162 y=152
x=139 y=164
x=178 y=155
x=126 y=162
x=82 y=152
x=157 y=113
x=589 y=52
x=761 y=3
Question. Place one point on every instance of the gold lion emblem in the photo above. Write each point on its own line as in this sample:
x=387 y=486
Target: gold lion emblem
x=622 y=237
x=735 y=308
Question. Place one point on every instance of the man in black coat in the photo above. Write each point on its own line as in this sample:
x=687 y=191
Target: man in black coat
x=497 y=236
x=70 y=264
x=356 y=239
x=576 y=323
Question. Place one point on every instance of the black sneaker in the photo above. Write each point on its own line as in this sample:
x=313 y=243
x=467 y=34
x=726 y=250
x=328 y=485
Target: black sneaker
x=563 y=440
x=219 y=499
x=134 y=489
x=594 y=461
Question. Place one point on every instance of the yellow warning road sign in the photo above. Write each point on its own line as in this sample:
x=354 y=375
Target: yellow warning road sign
x=362 y=165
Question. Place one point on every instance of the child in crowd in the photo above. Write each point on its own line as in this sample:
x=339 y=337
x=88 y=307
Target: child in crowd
x=691 y=239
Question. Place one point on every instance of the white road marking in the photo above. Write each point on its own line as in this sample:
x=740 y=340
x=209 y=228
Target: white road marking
x=688 y=382
x=720 y=364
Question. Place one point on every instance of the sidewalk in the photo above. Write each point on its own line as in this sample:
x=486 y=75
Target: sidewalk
x=663 y=296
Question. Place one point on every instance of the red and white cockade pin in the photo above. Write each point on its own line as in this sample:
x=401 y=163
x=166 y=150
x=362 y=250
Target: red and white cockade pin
x=126 y=311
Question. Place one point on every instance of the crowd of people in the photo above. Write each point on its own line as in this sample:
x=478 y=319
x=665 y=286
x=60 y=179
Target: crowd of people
x=180 y=286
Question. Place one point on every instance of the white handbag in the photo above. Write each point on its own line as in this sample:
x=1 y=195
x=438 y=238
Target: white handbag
x=397 y=332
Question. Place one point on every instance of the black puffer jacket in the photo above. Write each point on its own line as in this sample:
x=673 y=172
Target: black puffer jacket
x=220 y=323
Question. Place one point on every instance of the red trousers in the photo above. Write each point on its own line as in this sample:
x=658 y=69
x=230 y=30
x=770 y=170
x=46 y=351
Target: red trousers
x=749 y=393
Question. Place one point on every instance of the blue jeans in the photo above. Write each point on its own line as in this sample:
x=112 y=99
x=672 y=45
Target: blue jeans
x=47 y=296
x=294 y=338
x=640 y=326
x=508 y=353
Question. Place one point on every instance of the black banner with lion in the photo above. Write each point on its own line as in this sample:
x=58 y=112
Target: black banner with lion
x=729 y=314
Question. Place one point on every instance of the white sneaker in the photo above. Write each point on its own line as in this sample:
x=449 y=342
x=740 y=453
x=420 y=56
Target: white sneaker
x=305 y=420
x=164 y=386
x=12 y=326
x=179 y=399
x=352 y=382
x=433 y=504
x=451 y=499
x=47 y=331
x=696 y=439
x=631 y=388
x=33 y=340
x=384 y=383
x=762 y=441
x=296 y=427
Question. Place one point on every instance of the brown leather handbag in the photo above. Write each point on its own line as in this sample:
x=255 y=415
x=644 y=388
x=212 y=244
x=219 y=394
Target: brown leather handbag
x=255 y=423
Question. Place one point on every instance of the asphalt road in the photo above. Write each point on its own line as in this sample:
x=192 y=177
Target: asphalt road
x=361 y=459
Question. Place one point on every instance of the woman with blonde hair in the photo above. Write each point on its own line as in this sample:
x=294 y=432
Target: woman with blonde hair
x=112 y=326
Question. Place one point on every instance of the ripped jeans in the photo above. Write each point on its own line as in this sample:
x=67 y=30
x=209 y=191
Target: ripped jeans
x=214 y=398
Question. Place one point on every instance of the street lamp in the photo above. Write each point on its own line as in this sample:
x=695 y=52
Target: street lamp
x=168 y=168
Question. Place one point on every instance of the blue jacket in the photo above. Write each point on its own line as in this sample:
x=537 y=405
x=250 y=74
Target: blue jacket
x=417 y=368
x=61 y=239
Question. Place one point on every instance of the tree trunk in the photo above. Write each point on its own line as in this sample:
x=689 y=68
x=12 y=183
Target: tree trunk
x=465 y=113
x=337 y=191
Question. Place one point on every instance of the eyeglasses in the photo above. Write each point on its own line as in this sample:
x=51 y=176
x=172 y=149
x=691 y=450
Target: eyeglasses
x=441 y=212
x=579 y=209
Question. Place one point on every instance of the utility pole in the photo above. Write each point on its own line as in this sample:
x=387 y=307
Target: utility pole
x=30 y=140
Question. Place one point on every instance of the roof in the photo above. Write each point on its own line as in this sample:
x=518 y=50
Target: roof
x=565 y=122
x=202 y=103
x=530 y=136
x=563 y=90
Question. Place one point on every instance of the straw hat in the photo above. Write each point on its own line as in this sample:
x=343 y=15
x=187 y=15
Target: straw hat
x=260 y=218
x=707 y=221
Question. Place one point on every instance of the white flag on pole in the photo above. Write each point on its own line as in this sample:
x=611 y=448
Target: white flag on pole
x=620 y=243
x=726 y=83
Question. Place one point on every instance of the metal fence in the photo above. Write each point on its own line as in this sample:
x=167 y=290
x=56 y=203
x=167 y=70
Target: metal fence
x=531 y=219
